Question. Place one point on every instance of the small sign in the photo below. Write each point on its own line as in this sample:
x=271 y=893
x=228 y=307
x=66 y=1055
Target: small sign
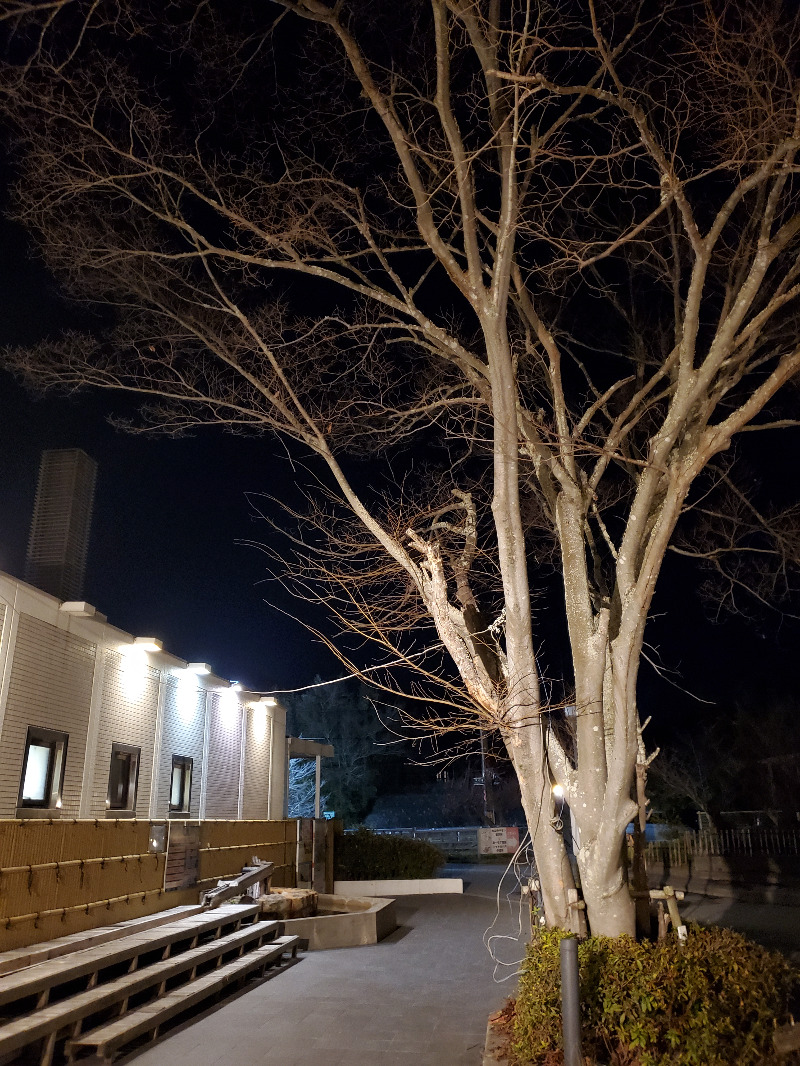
x=498 y=840
x=183 y=856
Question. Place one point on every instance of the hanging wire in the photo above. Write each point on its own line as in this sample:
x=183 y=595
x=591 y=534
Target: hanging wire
x=523 y=867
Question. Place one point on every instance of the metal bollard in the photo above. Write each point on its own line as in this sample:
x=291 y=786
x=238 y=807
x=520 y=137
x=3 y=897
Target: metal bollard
x=570 y=1002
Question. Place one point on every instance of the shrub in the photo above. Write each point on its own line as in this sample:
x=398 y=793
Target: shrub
x=366 y=856
x=708 y=1002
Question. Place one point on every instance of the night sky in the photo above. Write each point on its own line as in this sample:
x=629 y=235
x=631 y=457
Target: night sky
x=163 y=556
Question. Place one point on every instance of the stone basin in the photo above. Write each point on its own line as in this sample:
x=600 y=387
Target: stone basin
x=345 y=922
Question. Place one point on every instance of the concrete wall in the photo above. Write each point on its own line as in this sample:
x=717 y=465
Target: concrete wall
x=747 y=878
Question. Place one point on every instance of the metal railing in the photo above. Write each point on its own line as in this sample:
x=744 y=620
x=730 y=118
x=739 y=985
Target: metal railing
x=724 y=842
x=462 y=842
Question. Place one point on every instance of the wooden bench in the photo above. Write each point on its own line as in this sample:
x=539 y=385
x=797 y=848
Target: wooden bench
x=19 y=958
x=41 y=977
x=147 y=1019
x=47 y=1022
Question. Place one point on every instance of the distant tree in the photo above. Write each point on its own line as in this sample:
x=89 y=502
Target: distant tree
x=690 y=776
x=341 y=715
x=302 y=788
x=555 y=245
x=744 y=760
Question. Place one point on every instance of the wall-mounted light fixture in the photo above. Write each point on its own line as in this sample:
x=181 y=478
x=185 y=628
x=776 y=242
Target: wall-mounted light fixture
x=81 y=609
x=148 y=643
x=199 y=668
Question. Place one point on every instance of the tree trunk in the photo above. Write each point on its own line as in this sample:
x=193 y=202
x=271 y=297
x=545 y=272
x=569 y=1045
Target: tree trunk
x=609 y=903
x=552 y=865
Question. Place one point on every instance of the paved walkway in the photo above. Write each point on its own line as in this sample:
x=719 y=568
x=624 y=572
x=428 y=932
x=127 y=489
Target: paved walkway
x=419 y=998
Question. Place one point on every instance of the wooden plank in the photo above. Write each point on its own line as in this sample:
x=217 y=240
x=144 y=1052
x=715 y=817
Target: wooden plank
x=250 y=875
x=19 y=958
x=44 y=975
x=108 y=1038
x=41 y=1023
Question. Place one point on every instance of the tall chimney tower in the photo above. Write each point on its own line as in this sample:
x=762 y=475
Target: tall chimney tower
x=62 y=515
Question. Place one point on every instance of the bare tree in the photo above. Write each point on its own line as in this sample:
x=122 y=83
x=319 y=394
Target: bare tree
x=565 y=243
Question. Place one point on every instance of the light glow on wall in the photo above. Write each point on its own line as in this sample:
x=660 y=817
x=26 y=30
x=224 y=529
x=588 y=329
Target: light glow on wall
x=133 y=671
x=186 y=695
x=229 y=708
x=259 y=721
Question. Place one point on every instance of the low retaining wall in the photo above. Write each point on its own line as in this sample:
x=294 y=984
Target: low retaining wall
x=412 y=887
x=749 y=878
x=348 y=922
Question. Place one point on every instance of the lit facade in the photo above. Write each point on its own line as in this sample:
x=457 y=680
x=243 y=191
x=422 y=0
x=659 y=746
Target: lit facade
x=95 y=723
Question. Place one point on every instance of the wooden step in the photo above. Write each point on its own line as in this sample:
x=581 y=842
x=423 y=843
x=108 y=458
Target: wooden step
x=48 y=1021
x=109 y=1038
x=42 y=976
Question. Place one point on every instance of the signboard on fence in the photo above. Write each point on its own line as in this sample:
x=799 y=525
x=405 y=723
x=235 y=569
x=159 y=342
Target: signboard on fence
x=498 y=840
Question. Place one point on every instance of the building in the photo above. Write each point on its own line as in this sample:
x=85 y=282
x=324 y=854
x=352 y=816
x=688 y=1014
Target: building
x=97 y=723
x=62 y=516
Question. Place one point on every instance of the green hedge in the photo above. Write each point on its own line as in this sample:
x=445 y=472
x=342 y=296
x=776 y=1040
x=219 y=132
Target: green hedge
x=366 y=856
x=709 y=1002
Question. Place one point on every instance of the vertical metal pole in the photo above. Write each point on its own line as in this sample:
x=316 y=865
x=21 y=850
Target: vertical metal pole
x=317 y=784
x=570 y=1002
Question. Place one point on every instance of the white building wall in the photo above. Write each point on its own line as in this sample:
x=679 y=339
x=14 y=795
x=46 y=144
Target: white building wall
x=278 y=764
x=224 y=755
x=50 y=686
x=70 y=671
x=257 y=748
x=128 y=715
x=181 y=734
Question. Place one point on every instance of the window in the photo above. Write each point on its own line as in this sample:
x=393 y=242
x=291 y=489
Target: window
x=180 y=788
x=42 y=780
x=123 y=778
